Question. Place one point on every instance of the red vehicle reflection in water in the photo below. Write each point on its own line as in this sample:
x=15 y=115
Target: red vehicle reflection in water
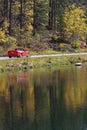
x=21 y=77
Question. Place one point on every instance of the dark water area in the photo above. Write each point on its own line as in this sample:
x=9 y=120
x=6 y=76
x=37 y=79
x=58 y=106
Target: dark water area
x=44 y=99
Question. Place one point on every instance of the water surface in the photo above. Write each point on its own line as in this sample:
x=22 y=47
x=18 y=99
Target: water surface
x=44 y=99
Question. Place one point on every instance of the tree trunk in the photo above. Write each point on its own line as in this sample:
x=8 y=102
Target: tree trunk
x=21 y=14
x=5 y=8
x=34 y=17
x=50 y=14
x=10 y=17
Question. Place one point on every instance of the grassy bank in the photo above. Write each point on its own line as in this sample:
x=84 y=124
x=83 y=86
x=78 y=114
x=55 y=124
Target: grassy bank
x=33 y=63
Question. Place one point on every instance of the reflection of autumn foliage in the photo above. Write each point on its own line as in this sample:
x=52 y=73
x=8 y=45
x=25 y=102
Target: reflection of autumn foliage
x=75 y=89
x=2 y=84
x=41 y=93
x=4 y=87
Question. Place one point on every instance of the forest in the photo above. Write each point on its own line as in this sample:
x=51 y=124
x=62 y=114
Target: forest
x=42 y=23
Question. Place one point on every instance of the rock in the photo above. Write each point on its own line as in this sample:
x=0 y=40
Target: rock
x=31 y=66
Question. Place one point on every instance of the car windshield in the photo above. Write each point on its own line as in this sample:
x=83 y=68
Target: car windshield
x=19 y=49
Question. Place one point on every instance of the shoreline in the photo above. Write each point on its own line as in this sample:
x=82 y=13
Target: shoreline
x=39 y=61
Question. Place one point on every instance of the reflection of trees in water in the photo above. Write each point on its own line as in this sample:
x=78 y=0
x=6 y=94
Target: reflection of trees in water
x=52 y=97
x=11 y=107
x=12 y=104
x=20 y=105
x=22 y=101
x=48 y=92
x=75 y=97
x=57 y=102
x=61 y=117
x=76 y=88
x=41 y=103
x=41 y=107
x=17 y=109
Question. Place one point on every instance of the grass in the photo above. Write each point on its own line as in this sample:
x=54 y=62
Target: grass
x=28 y=63
x=49 y=51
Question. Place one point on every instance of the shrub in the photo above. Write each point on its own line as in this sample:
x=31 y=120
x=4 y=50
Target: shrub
x=3 y=38
x=54 y=37
x=76 y=45
x=38 y=47
x=61 y=45
x=11 y=41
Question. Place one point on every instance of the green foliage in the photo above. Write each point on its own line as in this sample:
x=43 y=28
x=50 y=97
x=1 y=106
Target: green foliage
x=38 y=47
x=6 y=40
x=75 y=26
x=76 y=45
x=40 y=15
x=54 y=38
x=48 y=15
x=11 y=41
x=24 y=38
x=3 y=38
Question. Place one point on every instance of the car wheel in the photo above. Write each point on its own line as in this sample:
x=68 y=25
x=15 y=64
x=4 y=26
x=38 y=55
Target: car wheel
x=9 y=56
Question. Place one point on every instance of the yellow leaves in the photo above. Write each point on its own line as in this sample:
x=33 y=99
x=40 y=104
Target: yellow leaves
x=2 y=84
x=3 y=38
x=74 y=19
x=11 y=40
x=6 y=39
x=30 y=27
x=6 y=24
x=61 y=45
x=29 y=13
x=1 y=33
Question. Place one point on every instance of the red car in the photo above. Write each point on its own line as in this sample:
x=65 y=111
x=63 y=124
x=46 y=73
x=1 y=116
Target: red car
x=18 y=52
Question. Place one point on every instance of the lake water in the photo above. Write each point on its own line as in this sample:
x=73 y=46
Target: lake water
x=44 y=99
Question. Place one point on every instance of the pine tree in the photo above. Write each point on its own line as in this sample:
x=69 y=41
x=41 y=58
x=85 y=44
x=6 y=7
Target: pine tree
x=40 y=18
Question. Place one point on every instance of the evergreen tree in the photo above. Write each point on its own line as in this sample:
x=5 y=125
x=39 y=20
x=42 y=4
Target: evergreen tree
x=40 y=17
x=21 y=18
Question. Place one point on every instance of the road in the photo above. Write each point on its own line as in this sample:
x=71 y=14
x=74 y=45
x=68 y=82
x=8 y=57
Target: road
x=54 y=55
x=49 y=55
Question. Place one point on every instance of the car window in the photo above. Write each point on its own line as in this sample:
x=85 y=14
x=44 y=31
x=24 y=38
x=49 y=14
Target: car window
x=19 y=49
